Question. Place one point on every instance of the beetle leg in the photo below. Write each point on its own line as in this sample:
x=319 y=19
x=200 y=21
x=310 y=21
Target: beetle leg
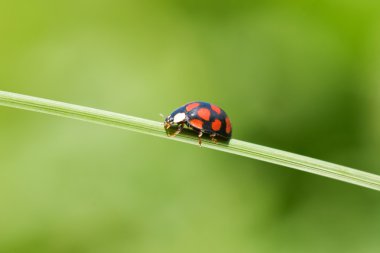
x=167 y=125
x=200 y=138
x=213 y=139
x=179 y=129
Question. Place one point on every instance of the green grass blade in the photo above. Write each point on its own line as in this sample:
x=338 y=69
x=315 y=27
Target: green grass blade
x=155 y=128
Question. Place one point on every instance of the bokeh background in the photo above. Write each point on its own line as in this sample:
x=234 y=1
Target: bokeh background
x=303 y=76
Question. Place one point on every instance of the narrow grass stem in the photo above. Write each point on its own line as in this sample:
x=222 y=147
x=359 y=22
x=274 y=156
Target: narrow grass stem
x=155 y=128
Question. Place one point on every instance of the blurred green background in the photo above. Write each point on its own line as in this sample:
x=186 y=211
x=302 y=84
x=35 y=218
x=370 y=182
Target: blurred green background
x=302 y=76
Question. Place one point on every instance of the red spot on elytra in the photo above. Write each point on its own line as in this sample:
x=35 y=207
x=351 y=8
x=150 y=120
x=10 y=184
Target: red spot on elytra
x=197 y=123
x=215 y=108
x=216 y=125
x=191 y=106
x=204 y=113
x=228 y=125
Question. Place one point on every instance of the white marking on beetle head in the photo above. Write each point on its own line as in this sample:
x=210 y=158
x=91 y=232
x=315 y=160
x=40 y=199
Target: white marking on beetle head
x=179 y=117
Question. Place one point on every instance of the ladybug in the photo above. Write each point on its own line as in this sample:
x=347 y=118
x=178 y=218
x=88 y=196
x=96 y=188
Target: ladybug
x=202 y=117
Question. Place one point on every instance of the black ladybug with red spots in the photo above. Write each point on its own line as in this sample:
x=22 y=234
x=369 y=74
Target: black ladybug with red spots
x=203 y=117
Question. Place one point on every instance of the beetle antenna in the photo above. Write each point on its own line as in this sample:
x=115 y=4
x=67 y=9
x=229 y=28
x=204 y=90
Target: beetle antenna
x=162 y=116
